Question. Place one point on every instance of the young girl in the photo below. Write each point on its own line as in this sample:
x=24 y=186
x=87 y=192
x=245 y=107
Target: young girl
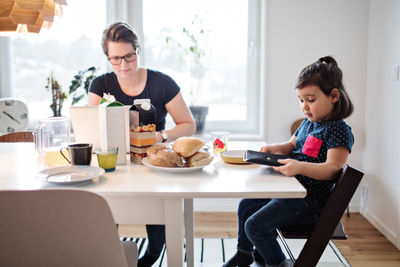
x=318 y=150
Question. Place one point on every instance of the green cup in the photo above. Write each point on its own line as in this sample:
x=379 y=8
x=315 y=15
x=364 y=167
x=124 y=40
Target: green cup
x=107 y=158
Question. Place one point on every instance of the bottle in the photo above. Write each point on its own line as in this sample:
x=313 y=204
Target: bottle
x=142 y=128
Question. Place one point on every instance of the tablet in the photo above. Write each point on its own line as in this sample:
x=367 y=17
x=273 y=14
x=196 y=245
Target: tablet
x=263 y=158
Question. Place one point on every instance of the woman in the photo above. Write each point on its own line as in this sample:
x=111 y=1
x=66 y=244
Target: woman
x=130 y=81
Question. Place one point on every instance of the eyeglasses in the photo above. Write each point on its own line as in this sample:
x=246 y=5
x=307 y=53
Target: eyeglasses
x=128 y=58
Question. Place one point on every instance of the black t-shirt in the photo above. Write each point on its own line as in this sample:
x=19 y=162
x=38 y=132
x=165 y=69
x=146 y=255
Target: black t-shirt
x=160 y=89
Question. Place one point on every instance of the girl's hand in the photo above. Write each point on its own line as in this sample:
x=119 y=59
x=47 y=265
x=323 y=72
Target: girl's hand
x=272 y=149
x=290 y=167
x=266 y=149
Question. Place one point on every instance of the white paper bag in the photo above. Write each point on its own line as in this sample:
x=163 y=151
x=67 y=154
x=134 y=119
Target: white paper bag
x=102 y=127
x=113 y=129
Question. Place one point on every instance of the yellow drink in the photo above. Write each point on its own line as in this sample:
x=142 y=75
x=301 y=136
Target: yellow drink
x=107 y=160
x=53 y=158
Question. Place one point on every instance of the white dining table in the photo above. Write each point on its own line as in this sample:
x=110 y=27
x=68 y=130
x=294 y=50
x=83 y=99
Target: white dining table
x=138 y=194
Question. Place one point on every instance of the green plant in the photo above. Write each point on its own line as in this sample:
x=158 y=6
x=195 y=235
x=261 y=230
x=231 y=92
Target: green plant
x=58 y=96
x=80 y=84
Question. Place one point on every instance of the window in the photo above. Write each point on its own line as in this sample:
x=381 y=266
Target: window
x=71 y=45
x=212 y=50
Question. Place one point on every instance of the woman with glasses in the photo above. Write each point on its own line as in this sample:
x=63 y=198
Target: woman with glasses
x=130 y=81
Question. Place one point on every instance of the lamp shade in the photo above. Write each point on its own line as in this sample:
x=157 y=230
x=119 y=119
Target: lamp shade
x=5 y=8
x=30 y=15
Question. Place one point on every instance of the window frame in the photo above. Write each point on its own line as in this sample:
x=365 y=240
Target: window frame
x=132 y=13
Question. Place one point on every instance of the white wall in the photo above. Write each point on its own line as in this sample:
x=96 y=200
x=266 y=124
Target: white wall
x=297 y=33
x=381 y=161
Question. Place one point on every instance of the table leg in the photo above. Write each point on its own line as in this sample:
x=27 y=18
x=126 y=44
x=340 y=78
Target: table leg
x=189 y=234
x=173 y=231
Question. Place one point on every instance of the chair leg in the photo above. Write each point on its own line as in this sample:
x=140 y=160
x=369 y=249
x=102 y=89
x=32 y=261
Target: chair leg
x=202 y=250
x=338 y=253
x=223 y=250
x=286 y=245
x=348 y=211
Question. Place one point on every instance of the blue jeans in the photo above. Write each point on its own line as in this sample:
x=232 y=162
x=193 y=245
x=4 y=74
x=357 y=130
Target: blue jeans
x=258 y=218
x=156 y=237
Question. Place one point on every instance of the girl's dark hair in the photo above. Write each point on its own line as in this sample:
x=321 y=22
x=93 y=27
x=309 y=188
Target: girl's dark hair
x=119 y=32
x=326 y=74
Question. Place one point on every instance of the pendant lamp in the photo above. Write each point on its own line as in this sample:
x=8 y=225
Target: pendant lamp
x=28 y=15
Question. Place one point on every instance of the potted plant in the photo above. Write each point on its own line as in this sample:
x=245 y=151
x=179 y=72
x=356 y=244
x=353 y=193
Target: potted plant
x=80 y=84
x=192 y=48
x=58 y=96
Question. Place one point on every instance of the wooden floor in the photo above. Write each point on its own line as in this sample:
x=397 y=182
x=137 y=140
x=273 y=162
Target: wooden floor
x=365 y=247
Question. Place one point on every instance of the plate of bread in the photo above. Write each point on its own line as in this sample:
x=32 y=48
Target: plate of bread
x=183 y=155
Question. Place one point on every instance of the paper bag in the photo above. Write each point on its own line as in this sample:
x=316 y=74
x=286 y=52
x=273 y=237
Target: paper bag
x=102 y=127
x=114 y=129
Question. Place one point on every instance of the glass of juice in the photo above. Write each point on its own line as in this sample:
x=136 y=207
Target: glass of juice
x=219 y=141
x=107 y=158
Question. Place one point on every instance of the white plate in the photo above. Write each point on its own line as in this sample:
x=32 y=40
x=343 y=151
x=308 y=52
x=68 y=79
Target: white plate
x=234 y=156
x=69 y=175
x=147 y=163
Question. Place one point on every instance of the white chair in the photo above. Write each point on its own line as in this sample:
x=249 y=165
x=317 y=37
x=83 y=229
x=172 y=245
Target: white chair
x=49 y=228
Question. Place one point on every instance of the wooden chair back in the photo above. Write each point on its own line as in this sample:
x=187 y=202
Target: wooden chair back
x=17 y=137
x=295 y=125
x=328 y=225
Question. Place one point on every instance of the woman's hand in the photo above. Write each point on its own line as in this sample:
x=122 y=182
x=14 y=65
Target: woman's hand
x=290 y=167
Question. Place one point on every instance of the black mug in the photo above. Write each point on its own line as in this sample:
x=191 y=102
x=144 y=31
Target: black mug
x=80 y=154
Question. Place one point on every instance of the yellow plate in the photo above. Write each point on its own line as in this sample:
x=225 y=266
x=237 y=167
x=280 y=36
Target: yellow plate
x=234 y=156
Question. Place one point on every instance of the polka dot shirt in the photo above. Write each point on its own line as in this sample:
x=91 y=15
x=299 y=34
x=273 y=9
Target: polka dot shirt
x=313 y=140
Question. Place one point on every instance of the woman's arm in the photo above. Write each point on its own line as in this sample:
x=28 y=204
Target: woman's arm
x=182 y=117
x=283 y=148
x=94 y=100
x=335 y=160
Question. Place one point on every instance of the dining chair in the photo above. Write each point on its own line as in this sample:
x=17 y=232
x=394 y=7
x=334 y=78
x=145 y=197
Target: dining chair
x=60 y=228
x=328 y=225
x=295 y=125
x=17 y=137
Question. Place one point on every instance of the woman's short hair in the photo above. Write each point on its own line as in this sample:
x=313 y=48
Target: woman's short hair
x=326 y=74
x=119 y=32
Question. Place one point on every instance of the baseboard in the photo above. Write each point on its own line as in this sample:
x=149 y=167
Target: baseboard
x=380 y=226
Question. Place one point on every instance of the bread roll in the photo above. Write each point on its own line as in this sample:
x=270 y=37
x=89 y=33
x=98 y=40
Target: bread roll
x=166 y=158
x=155 y=148
x=187 y=146
x=200 y=158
